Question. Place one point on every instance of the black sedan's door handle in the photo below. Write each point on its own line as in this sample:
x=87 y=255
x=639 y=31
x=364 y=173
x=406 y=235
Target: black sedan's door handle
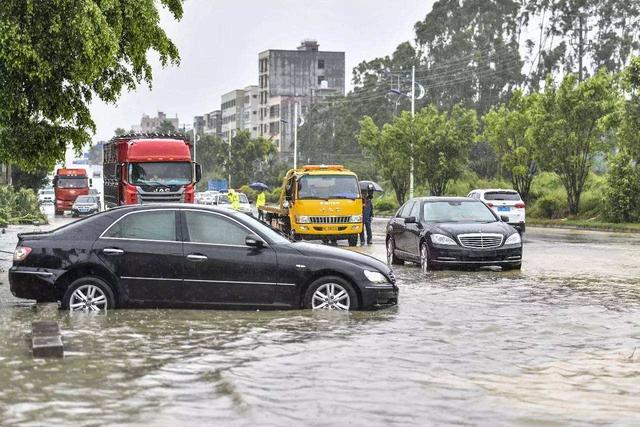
x=112 y=251
x=196 y=257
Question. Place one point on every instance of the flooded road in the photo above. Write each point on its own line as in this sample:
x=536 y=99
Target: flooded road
x=555 y=344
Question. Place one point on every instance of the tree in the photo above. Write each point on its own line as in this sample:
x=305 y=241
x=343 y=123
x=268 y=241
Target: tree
x=24 y=179
x=623 y=190
x=56 y=57
x=581 y=36
x=119 y=132
x=391 y=152
x=507 y=129
x=442 y=144
x=166 y=127
x=244 y=160
x=571 y=122
x=471 y=52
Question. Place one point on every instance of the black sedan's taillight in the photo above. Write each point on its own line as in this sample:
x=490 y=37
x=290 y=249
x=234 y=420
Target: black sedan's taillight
x=21 y=253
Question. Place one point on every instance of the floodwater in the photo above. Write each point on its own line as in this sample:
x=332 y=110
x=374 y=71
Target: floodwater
x=555 y=344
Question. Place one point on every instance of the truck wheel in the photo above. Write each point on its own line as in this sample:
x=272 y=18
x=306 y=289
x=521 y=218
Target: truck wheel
x=353 y=240
x=59 y=213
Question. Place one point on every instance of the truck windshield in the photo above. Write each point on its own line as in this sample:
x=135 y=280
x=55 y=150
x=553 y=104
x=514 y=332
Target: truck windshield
x=328 y=187
x=72 y=182
x=160 y=173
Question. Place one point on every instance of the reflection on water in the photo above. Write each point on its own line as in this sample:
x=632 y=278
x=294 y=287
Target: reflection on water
x=491 y=348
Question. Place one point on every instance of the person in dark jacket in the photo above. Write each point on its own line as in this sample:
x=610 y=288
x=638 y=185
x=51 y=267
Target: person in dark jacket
x=367 y=217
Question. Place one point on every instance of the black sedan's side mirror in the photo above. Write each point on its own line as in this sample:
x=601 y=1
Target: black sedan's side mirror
x=504 y=218
x=411 y=220
x=254 y=241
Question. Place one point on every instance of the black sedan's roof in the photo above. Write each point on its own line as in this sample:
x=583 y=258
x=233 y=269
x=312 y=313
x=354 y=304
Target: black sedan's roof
x=444 y=199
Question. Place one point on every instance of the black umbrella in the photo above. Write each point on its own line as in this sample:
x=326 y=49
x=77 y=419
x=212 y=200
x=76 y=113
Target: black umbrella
x=370 y=186
x=258 y=186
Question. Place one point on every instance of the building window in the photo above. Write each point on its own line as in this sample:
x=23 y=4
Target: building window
x=274 y=128
x=321 y=64
x=274 y=111
x=320 y=79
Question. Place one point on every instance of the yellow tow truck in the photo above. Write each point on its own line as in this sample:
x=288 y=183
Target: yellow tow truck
x=318 y=202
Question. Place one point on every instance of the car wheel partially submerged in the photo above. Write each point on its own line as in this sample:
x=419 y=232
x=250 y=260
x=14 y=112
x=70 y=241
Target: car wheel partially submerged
x=392 y=259
x=425 y=261
x=331 y=293
x=88 y=294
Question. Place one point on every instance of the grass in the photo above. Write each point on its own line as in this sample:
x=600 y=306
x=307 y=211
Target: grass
x=584 y=225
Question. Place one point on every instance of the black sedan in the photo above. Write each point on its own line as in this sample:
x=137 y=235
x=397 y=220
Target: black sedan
x=191 y=256
x=436 y=232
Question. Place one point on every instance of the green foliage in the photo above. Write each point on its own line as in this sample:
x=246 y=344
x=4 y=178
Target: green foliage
x=507 y=129
x=56 y=57
x=570 y=125
x=166 y=127
x=246 y=159
x=470 y=181
x=471 y=52
x=623 y=193
x=390 y=149
x=19 y=207
x=551 y=205
x=33 y=180
x=385 y=206
x=629 y=128
x=442 y=143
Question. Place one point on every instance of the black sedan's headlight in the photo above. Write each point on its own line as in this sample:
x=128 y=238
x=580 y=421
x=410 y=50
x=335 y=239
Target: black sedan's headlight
x=514 y=239
x=376 y=277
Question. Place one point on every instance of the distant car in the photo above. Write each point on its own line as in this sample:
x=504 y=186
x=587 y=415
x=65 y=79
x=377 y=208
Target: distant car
x=46 y=195
x=191 y=256
x=222 y=200
x=208 y=197
x=504 y=203
x=85 y=205
x=437 y=232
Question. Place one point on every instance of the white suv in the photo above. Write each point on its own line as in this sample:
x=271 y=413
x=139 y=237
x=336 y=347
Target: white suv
x=504 y=203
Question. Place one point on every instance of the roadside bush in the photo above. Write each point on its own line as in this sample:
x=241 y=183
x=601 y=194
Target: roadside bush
x=593 y=201
x=251 y=193
x=19 y=207
x=623 y=192
x=384 y=206
x=550 y=206
x=273 y=196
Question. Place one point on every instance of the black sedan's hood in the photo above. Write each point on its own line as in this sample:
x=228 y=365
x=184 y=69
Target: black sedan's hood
x=455 y=228
x=322 y=251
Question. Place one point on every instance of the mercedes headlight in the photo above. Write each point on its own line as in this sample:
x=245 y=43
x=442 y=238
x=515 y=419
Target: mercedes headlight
x=514 y=239
x=441 y=239
x=356 y=218
x=303 y=220
x=375 y=276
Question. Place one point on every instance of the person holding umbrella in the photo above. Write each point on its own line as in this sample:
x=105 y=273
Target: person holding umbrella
x=367 y=216
x=261 y=198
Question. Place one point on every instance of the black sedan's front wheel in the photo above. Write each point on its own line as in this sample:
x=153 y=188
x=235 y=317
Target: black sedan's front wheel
x=331 y=293
x=88 y=294
x=425 y=258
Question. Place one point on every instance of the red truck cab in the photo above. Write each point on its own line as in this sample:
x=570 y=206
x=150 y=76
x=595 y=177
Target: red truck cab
x=68 y=185
x=148 y=168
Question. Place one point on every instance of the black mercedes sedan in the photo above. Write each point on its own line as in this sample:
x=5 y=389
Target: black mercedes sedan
x=437 y=232
x=191 y=256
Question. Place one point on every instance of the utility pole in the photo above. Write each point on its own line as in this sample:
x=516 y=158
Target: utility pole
x=580 y=47
x=295 y=135
x=195 y=137
x=229 y=182
x=413 y=115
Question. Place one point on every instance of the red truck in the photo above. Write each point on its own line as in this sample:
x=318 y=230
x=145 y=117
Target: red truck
x=68 y=185
x=148 y=168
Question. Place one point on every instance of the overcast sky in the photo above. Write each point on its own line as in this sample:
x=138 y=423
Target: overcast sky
x=219 y=41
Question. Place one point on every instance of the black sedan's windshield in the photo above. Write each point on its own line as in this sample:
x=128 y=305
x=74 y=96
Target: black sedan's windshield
x=160 y=173
x=457 y=211
x=328 y=187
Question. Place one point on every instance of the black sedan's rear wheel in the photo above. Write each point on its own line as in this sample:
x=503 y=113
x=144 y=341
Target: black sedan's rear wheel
x=392 y=259
x=88 y=294
x=331 y=293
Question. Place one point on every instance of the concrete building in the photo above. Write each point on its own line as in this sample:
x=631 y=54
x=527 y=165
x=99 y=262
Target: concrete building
x=198 y=125
x=231 y=106
x=213 y=123
x=287 y=77
x=152 y=124
x=250 y=108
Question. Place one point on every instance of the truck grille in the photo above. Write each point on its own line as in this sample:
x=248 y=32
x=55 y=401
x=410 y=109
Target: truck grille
x=161 y=196
x=480 y=240
x=329 y=219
